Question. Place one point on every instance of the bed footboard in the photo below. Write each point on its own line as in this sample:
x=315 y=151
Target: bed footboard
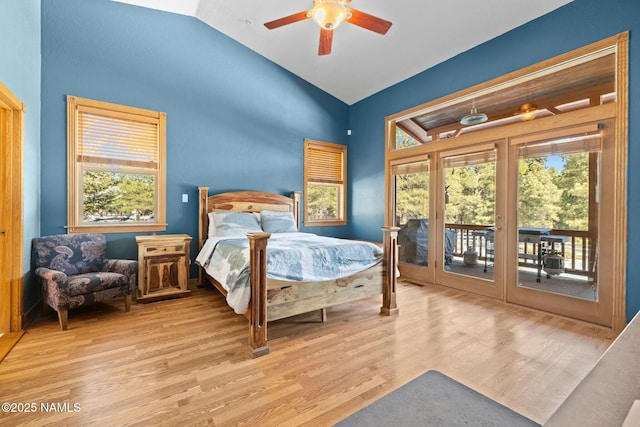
x=258 y=345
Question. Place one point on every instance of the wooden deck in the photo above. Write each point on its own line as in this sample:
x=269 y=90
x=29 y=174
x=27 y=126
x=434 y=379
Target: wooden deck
x=183 y=361
x=564 y=284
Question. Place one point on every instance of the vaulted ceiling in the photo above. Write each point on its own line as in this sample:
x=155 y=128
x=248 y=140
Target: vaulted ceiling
x=362 y=62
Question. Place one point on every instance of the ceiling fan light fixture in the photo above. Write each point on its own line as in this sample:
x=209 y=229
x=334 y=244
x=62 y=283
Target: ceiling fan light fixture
x=328 y=14
x=473 y=118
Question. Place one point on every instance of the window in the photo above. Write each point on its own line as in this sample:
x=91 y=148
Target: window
x=116 y=167
x=325 y=173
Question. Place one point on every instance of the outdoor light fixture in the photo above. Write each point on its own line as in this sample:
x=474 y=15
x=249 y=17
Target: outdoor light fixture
x=474 y=118
x=526 y=112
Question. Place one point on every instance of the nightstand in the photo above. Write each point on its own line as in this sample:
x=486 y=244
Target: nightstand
x=163 y=266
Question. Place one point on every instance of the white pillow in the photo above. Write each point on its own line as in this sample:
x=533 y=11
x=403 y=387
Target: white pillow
x=212 y=225
x=278 y=222
x=233 y=223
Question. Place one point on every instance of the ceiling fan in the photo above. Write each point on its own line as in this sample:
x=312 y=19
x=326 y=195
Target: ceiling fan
x=328 y=14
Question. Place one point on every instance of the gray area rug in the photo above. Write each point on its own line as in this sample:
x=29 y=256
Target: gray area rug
x=434 y=399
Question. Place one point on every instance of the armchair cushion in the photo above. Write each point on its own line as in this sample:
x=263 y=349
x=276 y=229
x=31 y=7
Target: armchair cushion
x=89 y=283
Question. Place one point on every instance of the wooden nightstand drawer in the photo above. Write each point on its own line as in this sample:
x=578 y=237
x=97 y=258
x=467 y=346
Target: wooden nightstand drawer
x=163 y=266
x=158 y=250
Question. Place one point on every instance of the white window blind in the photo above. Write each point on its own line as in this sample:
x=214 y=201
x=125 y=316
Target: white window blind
x=325 y=165
x=411 y=168
x=571 y=145
x=116 y=141
x=468 y=159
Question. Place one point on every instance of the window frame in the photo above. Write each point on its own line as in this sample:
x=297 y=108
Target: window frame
x=339 y=183
x=75 y=224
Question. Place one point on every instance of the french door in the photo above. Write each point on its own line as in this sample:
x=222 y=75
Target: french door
x=522 y=219
x=470 y=218
x=561 y=197
x=449 y=206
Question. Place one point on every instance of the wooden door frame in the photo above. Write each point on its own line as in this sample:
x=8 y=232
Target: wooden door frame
x=11 y=242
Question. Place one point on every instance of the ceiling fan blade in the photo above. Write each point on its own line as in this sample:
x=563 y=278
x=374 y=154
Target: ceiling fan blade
x=326 y=39
x=369 y=22
x=300 y=16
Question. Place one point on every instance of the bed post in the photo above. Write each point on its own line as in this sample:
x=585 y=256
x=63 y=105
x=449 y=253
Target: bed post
x=258 y=307
x=203 y=222
x=295 y=196
x=390 y=260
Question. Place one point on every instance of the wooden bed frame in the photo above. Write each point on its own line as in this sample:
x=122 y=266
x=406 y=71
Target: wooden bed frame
x=273 y=299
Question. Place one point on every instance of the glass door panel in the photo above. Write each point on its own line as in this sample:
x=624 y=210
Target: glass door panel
x=554 y=213
x=560 y=224
x=411 y=188
x=469 y=212
x=467 y=231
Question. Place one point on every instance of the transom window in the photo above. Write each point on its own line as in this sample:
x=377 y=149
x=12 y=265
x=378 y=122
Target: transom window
x=116 y=167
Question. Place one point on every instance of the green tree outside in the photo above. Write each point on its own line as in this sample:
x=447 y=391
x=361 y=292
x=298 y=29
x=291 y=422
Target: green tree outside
x=109 y=196
x=547 y=198
x=573 y=184
x=322 y=201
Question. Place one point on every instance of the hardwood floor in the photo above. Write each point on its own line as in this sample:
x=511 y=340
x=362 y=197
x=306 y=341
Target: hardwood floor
x=7 y=341
x=183 y=361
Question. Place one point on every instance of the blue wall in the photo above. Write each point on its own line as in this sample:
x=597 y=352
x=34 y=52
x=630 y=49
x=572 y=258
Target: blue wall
x=235 y=120
x=231 y=112
x=20 y=72
x=575 y=25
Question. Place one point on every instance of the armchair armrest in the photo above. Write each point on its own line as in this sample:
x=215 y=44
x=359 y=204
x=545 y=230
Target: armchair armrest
x=52 y=278
x=120 y=265
x=55 y=285
x=123 y=266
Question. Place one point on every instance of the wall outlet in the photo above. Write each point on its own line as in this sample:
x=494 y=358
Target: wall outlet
x=185 y=198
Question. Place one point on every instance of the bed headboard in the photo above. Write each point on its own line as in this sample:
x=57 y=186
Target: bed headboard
x=242 y=201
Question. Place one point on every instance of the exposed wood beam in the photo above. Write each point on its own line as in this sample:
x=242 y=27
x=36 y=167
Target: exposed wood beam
x=413 y=128
x=549 y=103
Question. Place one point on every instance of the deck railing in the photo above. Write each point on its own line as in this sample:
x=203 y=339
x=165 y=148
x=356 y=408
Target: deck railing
x=576 y=252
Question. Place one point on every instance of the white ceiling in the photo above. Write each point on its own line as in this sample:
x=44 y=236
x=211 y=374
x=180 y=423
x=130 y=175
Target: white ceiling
x=424 y=33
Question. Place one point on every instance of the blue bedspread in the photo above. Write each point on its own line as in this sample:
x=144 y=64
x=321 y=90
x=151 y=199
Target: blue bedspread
x=300 y=257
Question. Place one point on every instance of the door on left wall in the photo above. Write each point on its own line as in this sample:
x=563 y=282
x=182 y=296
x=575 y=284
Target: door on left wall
x=11 y=234
x=5 y=274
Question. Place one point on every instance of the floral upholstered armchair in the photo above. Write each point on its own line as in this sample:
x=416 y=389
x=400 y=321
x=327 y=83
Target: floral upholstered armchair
x=73 y=270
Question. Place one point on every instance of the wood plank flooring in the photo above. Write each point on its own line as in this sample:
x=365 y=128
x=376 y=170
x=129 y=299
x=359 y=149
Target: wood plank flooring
x=7 y=341
x=182 y=362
